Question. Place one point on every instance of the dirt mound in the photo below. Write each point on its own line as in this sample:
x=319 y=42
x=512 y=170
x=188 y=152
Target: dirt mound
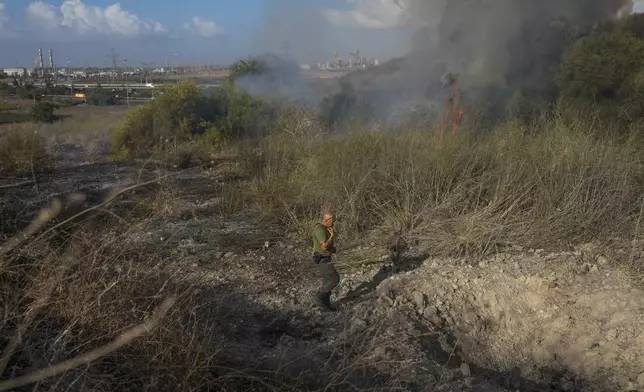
x=570 y=320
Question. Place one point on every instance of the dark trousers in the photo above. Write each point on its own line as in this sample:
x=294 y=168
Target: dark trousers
x=328 y=273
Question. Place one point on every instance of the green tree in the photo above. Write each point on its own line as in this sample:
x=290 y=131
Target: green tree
x=252 y=66
x=173 y=117
x=43 y=112
x=601 y=68
x=101 y=97
x=241 y=115
x=183 y=113
x=633 y=24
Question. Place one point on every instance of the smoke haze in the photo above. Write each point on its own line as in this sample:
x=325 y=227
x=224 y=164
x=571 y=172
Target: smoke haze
x=313 y=32
x=504 y=43
x=499 y=38
x=460 y=32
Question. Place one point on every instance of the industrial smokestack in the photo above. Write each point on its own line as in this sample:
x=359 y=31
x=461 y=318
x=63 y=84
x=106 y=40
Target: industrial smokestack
x=41 y=64
x=52 y=67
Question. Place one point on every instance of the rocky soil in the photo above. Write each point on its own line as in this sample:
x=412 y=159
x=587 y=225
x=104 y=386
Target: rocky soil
x=521 y=320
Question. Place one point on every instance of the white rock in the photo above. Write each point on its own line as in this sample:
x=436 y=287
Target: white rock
x=640 y=379
x=602 y=260
x=465 y=370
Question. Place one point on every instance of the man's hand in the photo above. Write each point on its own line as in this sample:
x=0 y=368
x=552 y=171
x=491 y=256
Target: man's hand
x=331 y=233
x=328 y=244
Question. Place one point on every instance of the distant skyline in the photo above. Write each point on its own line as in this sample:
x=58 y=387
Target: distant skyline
x=216 y=32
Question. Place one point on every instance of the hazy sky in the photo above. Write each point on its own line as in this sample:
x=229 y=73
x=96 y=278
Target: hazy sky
x=217 y=31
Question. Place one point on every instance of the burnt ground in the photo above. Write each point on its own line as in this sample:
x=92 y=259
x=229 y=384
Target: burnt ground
x=522 y=320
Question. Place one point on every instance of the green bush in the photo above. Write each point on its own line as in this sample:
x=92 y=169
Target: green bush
x=633 y=24
x=526 y=107
x=601 y=76
x=135 y=133
x=26 y=91
x=600 y=66
x=176 y=116
x=43 y=112
x=240 y=115
x=183 y=113
x=268 y=75
x=251 y=66
x=101 y=97
x=56 y=90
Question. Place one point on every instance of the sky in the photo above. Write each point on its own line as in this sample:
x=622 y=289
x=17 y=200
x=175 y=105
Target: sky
x=157 y=32
x=83 y=32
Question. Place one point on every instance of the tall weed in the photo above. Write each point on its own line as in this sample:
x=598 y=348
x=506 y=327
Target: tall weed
x=466 y=192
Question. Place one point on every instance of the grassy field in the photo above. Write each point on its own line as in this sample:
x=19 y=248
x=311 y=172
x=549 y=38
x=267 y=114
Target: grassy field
x=82 y=126
x=13 y=117
x=79 y=121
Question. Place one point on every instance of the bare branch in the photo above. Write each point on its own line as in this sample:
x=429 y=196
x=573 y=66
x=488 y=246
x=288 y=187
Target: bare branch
x=125 y=338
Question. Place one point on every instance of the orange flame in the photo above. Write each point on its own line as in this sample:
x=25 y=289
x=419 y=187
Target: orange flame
x=454 y=112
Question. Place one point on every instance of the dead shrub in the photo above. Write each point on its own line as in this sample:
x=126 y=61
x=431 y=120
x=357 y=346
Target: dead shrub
x=184 y=155
x=23 y=150
x=76 y=287
x=542 y=187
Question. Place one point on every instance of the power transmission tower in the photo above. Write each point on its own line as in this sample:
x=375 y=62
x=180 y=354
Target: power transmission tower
x=114 y=58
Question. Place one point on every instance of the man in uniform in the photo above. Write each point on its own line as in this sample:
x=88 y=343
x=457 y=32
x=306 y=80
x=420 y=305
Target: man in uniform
x=323 y=248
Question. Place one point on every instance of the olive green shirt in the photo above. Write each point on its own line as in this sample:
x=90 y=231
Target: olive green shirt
x=321 y=234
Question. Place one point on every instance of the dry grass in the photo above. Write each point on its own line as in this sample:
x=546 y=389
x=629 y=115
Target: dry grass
x=22 y=150
x=30 y=146
x=551 y=186
x=107 y=286
x=85 y=292
x=83 y=125
x=88 y=127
